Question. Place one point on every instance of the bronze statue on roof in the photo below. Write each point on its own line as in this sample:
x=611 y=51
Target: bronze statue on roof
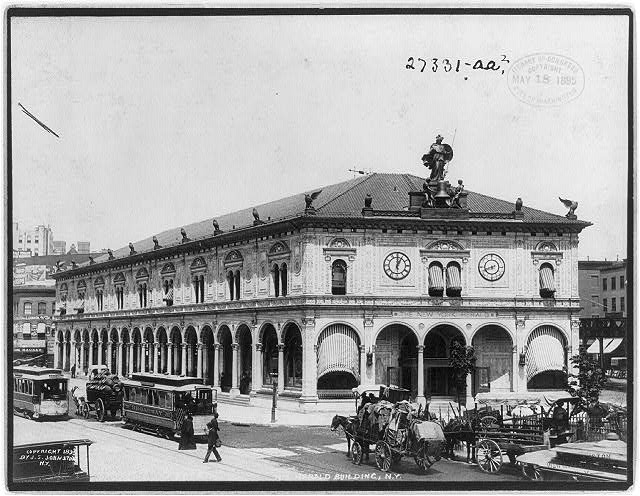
x=132 y=250
x=437 y=158
x=156 y=244
x=185 y=239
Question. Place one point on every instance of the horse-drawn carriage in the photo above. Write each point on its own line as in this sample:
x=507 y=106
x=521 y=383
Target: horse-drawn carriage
x=104 y=393
x=394 y=426
x=493 y=437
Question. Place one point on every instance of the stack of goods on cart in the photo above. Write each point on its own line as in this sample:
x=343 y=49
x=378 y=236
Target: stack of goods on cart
x=104 y=384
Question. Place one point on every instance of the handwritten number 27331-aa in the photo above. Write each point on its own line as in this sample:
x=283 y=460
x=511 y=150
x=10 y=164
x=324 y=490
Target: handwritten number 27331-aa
x=448 y=65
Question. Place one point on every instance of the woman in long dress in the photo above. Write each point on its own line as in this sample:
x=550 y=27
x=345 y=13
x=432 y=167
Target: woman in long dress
x=187 y=440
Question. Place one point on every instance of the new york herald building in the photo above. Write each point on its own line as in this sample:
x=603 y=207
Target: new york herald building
x=363 y=282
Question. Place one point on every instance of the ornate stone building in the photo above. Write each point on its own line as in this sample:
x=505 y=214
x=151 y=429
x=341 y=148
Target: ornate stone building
x=367 y=281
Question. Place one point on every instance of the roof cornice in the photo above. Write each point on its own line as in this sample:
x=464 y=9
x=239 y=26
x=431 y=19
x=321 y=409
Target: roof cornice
x=472 y=223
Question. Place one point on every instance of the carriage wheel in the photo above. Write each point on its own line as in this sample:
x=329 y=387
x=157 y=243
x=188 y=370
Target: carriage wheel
x=356 y=453
x=85 y=410
x=489 y=456
x=384 y=457
x=487 y=421
x=100 y=410
x=531 y=472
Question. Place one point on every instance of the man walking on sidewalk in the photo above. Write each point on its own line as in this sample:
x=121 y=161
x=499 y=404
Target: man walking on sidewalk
x=212 y=437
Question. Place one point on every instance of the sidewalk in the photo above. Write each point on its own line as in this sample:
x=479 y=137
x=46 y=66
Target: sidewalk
x=239 y=414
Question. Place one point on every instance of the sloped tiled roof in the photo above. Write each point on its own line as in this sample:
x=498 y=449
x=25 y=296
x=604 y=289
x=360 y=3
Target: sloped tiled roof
x=345 y=199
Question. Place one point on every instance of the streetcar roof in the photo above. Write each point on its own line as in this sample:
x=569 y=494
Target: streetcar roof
x=151 y=383
x=37 y=373
x=65 y=442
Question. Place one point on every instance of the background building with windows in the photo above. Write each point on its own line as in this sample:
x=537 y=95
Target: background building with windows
x=603 y=287
x=603 y=297
x=34 y=299
x=359 y=283
x=35 y=242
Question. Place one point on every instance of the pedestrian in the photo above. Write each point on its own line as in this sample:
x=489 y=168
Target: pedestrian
x=212 y=437
x=187 y=441
x=73 y=371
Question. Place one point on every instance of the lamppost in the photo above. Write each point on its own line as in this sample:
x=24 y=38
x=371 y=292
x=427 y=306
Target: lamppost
x=274 y=403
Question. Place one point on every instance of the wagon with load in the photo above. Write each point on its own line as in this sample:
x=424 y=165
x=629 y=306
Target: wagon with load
x=104 y=392
x=394 y=428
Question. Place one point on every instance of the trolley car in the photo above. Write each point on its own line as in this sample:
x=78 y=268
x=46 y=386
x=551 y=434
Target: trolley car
x=40 y=393
x=51 y=461
x=158 y=403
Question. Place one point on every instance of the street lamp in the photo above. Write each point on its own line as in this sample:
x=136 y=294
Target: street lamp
x=274 y=403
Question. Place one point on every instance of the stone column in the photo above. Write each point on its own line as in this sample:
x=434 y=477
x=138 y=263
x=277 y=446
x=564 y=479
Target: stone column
x=156 y=349
x=91 y=344
x=515 y=366
x=280 y=368
x=74 y=353
x=110 y=355
x=170 y=359
x=256 y=362
x=469 y=391
x=420 y=398
x=130 y=362
x=363 y=364
x=81 y=364
x=205 y=363
x=65 y=357
x=216 y=366
x=309 y=362
x=119 y=358
x=140 y=364
x=199 y=364
x=234 y=370
x=100 y=344
x=145 y=357
x=163 y=357
x=184 y=359
x=56 y=355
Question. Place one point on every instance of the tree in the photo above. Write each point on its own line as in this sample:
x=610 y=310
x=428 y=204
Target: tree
x=462 y=359
x=588 y=382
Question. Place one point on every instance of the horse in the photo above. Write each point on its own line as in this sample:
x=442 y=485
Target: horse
x=459 y=430
x=348 y=425
x=78 y=398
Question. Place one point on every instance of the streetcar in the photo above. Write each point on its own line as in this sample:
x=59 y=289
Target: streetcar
x=158 y=403
x=40 y=393
x=52 y=461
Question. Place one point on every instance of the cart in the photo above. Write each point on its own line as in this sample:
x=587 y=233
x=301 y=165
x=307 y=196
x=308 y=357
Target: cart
x=520 y=435
x=104 y=395
x=395 y=431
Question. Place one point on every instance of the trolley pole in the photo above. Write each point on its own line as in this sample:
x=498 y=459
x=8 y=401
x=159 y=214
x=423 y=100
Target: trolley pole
x=274 y=403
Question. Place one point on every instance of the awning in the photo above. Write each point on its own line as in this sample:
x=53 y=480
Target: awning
x=453 y=277
x=609 y=345
x=338 y=351
x=545 y=351
x=546 y=279
x=435 y=277
x=168 y=295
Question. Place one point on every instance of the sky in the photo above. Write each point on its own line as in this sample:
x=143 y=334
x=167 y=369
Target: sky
x=165 y=121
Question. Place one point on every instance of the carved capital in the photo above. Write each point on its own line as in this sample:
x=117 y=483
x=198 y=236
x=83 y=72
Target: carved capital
x=308 y=321
x=280 y=348
x=216 y=346
x=258 y=346
x=420 y=348
x=368 y=321
x=235 y=346
x=520 y=323
x=362 y=349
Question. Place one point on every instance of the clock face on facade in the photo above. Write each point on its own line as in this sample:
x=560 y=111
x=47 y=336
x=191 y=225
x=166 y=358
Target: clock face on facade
x=491 y=267
x=397 y=265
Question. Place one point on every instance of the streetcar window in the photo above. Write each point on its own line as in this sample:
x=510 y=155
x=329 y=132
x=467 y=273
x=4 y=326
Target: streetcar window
x=30 y=386
x=54 y=390
x=134 y=394
x=154 y=397
x=126 y=394
x=15 y=385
